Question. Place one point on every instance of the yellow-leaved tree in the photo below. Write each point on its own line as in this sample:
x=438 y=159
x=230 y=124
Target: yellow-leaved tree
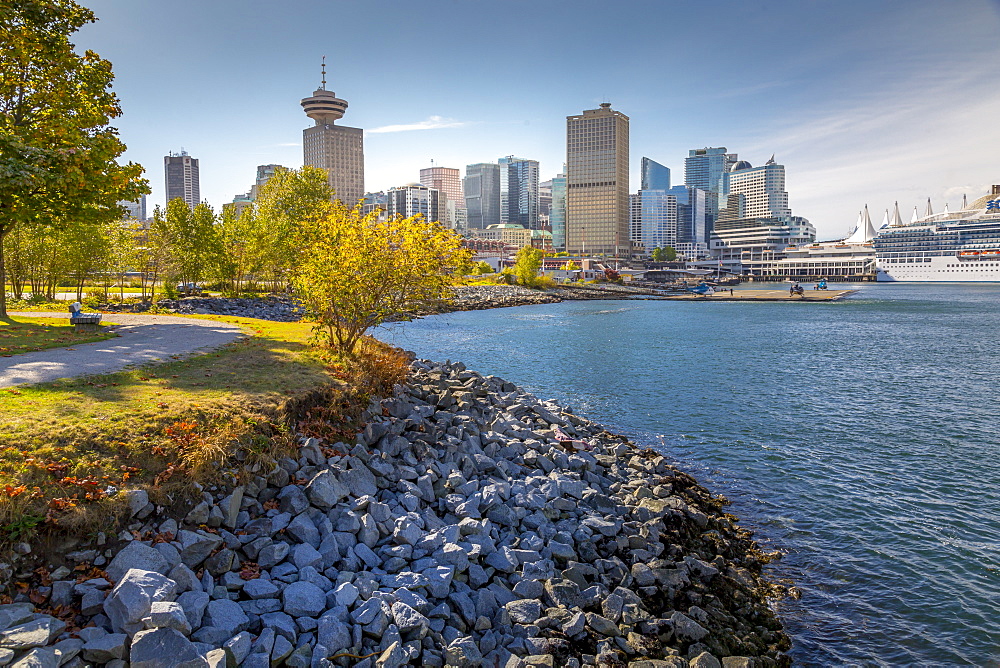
x=357 y=271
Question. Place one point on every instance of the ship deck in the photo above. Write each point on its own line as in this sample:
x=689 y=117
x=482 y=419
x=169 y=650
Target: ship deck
x=746 y=295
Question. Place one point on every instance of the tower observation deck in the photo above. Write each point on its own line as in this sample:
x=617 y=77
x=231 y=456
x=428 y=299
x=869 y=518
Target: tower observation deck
x=323 y=106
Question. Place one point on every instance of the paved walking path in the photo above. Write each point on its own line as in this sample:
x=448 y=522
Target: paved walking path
x=144 y=339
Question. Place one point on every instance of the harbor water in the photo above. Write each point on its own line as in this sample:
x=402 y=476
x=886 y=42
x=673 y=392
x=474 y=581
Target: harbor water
x=860 y=438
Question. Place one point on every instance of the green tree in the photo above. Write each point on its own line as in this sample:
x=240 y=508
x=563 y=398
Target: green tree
x=665 y=254
x=527 y=262
x=571 y=266
x=191 y=237
x=481 y=268
x=357 y=271
x=58 y=153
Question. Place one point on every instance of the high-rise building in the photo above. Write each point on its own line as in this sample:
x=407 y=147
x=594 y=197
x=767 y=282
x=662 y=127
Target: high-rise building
x=692 y=225
x=336 y=148
x=704 y=168
x=136 y=210
x=481 y=187
x=654 y=175
x=448 y=182
x=264 y=174
x=756 y=221
x=519 y=191
x=557 y=214
x=181 y=171
x=414 y=198
x=597 y=197
x=654 y=219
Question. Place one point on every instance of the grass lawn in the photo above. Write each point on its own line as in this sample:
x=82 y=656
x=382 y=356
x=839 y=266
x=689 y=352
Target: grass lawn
x=65 y=445
x=24 y=335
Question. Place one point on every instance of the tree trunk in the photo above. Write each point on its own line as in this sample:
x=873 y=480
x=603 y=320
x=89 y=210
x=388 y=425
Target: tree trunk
x=3 y=280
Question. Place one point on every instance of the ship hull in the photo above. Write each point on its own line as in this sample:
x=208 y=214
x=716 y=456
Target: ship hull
x=939 y=269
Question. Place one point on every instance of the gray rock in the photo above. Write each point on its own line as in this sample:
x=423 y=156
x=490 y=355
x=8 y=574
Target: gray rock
x=133 y=596
x=35 y=633
x=237 y=648
x=226 y=615
x=686 y=628
x=12 y=614
x=106 y=648
x=306 y=555
x=272 y=555
x=704 y=660
x=333 y=633
x=303 y=599
x=137 y=555
x=281 y=650
x=40 y=657
x=167 y=614
x=194 y=604
x=463 y=651
x=346 y=594
x=260 y=588
x=360 y=481
x=602 y=625
x=164 y=648
x=407 y=619
x=196 y=546
x=524 y=611
x=291 y=499
x=325 y=490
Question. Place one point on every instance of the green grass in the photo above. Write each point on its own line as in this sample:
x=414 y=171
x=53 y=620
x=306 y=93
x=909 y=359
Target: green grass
x=63 y=444
x=24 y=335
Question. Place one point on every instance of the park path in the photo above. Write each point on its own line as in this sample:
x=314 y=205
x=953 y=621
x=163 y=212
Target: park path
x=144 y=339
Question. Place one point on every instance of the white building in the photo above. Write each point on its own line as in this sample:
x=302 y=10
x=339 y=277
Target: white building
x=654 y=219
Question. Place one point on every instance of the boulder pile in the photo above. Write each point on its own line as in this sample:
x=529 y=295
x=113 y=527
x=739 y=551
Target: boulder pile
x=470 y=524
x=280 y=309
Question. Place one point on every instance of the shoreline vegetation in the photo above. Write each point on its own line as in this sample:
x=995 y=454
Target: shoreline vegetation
x=467 y=523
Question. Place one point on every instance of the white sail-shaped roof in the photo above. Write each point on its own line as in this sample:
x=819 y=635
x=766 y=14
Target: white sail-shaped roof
x=930 y=211
x=895 y=221
x=885 y=220
x=915 y=217
x=946 y=211
x=865 y=231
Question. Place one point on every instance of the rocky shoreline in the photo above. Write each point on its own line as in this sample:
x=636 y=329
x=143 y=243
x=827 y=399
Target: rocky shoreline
x=470 y=524
x=467 y=298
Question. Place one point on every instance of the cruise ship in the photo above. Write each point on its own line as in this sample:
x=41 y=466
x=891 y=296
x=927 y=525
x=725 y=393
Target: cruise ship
x=959 y=246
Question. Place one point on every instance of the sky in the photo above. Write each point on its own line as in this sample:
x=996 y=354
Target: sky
x=864 y=102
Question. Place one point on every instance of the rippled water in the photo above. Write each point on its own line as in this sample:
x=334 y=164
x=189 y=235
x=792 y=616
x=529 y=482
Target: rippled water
x=862 y=438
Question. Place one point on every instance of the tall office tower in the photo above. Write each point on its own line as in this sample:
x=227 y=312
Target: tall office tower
x=181 y=171
x=557 y=215
x=545 y=205
x=448 y=182
x=704 y=169
x=761 y=191
x=756 y=219
x=654 y=219
x=654 y=175
x=519 y=192
x=597 y=204
x=414 y=198
x=264 y=174
x=692 y=227
x=481 y=187
x=336 y=148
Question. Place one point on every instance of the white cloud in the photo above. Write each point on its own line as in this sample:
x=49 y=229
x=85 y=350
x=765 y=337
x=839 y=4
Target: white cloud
x=432 y=123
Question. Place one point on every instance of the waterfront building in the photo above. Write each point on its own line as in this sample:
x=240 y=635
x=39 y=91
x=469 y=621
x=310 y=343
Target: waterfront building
x=692 y=222
x=519 y=191
x=336 y=148
x=654 y=213
x=545 y=205
x=374 y=201
x=654 y=175
x=704 y=169
x=597 y=193
x=557 y=215
x=756 y=224
x=481 y=188
x=181 y=172
x=414 y=198
x=239 y=204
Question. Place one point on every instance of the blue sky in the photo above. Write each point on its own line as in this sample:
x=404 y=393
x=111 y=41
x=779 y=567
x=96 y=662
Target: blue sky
x=863 y=102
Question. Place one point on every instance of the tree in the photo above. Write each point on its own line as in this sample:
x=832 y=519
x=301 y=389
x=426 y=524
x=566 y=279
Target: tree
x=571 y=266
x=480 y=268
x=665 y=254
x=192 y=239
x=527 y=262
x=57 y=150
x=357 y=271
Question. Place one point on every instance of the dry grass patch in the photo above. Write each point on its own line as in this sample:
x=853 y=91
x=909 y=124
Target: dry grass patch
x=67 y=446
x=25 y=335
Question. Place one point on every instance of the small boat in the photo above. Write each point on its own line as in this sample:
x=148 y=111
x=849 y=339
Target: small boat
x=991 y=254
x=968 y=255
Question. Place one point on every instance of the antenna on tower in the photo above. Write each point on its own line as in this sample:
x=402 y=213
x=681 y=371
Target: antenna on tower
x=323 y=86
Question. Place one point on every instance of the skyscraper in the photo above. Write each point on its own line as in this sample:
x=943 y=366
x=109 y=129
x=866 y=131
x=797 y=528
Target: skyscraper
x=654 y=175
x=704 y=169
x=414 y=198
x=336 y=148
x=481 y=187
x=597 y=197
x=448 y=182
x=181 y=171
x=136 y=209
x=557 y=215
x=264 y=174
x=519 y=191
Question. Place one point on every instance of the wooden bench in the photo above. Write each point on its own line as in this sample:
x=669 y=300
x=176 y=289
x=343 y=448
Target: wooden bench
x=84 y=322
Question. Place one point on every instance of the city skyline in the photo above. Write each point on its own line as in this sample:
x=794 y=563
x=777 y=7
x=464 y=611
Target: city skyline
x=858 y=102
